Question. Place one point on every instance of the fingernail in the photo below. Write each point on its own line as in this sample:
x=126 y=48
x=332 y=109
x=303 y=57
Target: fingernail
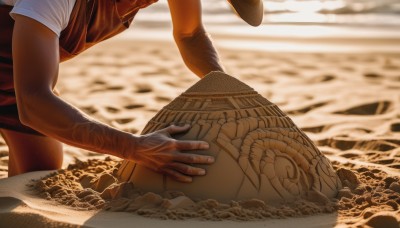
x=210 y=159
x=189 y=179
x=202 y=172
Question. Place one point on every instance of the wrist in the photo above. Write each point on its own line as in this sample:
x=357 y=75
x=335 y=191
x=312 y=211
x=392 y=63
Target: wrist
x=129 y=145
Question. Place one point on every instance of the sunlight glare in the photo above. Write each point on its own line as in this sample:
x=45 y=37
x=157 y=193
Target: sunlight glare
x=333 y=5
x=303 y=6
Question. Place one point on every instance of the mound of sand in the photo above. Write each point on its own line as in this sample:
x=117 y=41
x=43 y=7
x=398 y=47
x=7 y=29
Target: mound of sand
x=259 y=151
x=262 y=161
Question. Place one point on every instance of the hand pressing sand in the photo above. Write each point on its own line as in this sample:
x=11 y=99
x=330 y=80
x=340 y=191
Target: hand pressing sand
x=161 y=153
x=259 y=151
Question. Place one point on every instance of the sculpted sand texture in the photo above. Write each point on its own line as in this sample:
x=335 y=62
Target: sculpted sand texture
x=259 y=151
x=348 y=104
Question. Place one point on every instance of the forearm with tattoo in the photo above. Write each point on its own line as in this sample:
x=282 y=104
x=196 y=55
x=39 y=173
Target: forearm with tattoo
x=71 y=126
x=102 y=138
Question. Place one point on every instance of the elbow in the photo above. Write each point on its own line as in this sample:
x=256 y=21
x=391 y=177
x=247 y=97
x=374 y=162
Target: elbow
x=28 y=105
x=24 y=113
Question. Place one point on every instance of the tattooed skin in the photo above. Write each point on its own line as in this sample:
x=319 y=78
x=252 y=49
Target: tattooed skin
x=102 y=138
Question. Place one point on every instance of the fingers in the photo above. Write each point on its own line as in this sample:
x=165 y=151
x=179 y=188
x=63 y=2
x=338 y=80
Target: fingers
x=193 y=158
x=177 y=129
x=177 y=175
x=191 y=145
x=182 y=172
x=187 y=169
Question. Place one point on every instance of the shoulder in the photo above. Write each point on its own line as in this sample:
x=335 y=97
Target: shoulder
x=53 y=14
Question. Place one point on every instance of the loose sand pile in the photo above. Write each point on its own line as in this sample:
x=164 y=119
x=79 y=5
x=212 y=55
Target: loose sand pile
x=93 y=185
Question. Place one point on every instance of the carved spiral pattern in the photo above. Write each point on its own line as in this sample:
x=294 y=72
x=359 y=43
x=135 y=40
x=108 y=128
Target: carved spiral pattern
x=280 y=158
x=264 y=158
x=260 y=153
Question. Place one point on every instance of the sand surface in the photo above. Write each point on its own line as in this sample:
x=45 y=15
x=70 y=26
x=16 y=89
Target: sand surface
x=260 y=153
x=348 y=104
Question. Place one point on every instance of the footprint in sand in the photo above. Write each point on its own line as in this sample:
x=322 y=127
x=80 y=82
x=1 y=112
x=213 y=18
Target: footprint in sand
x=143 y=88
x=111 y=109
x=124 y=120
x=163 y=99
x=107 y=89
x=344 y=143
x=375 y=108
x=89 y=109
x=306 y=108
x=316 y=129
x=133 y=106
x=321 y=78
x=372 y=75
x=115 y=88
x=379 y=145
x=395 y=127
x=341 y=143
x=99 y=82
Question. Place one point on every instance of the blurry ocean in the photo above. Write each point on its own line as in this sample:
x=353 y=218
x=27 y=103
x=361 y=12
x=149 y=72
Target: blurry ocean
x=344 y=12
x=290 y=20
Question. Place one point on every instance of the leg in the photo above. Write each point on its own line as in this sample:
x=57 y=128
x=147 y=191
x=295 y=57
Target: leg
x=29 y=152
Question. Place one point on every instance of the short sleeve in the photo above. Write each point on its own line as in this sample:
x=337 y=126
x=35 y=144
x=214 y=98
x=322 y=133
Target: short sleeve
x=53 y=14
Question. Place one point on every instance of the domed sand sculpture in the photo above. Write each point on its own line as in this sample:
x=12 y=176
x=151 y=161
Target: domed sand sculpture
x=259 y=152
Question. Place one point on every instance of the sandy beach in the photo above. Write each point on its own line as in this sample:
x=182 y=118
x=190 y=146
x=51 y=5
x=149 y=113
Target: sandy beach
x=347 y=103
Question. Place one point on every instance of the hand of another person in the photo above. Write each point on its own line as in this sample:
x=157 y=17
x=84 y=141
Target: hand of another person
x=161 y=153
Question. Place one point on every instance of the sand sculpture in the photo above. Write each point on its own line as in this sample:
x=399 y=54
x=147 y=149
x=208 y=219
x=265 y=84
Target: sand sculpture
x=259 y=151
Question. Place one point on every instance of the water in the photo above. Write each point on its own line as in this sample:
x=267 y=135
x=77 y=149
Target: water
x=357 y=24
x=343 y=12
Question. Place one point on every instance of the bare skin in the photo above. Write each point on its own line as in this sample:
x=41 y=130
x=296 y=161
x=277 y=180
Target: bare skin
x=20 y=161
x=36 y=62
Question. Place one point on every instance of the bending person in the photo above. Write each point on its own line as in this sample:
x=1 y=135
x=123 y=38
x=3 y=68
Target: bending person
x=35 y=121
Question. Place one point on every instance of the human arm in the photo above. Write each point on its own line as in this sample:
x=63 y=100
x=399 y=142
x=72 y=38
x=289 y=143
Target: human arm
x=36 y=61
x=193 y=42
